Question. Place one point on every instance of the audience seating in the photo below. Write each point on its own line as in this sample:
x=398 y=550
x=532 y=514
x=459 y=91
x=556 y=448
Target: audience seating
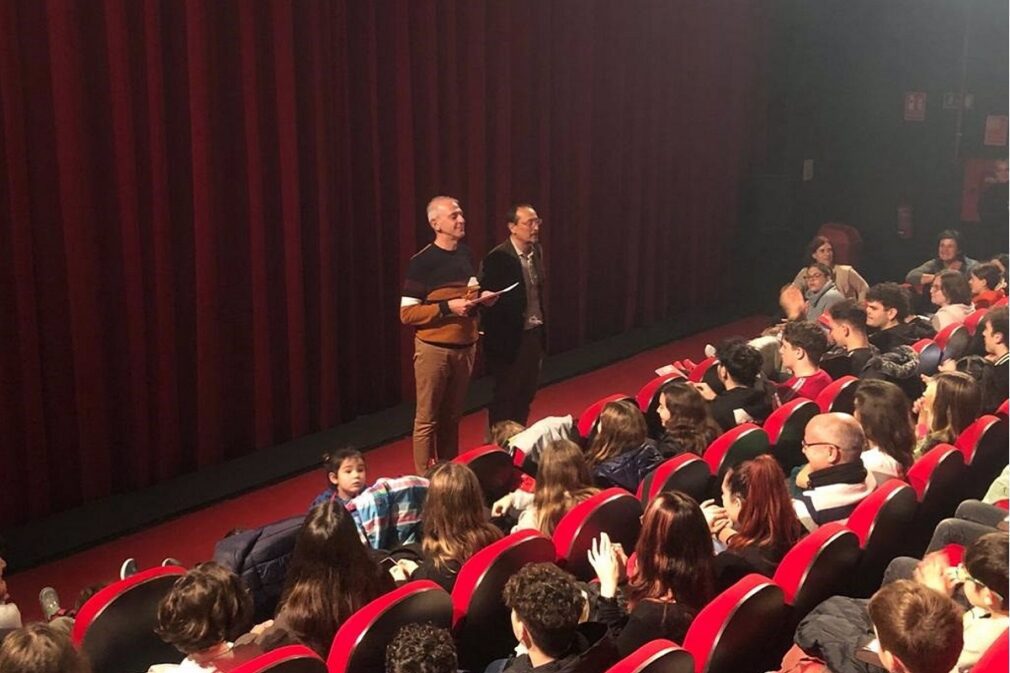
x=479 y=617
x=648 y=401
x=995 y=659
x=785 y=428
x=494 y=469
x=972 y=319
x=930 y=356
x=731 y=448
x=731 y=634
x=697 y=375
x=881 y=521
x=1003 y=410
x=657 y=656
x=588 y=419
x=287 y=659
x=115 y=627
x=938 y=479
x=1002 y=301
x=686 y=473
x=954 y=340
x=613 y=511
x=817 y=567
x=984 y=445
x=839 y=396
x=837 y=366
x=360 y=644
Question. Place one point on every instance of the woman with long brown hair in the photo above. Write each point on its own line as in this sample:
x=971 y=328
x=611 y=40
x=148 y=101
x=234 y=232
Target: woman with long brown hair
x=621 y=454
x=883 y=410
x=331 y=575
x=757 y=523
x=673 y=576
x=951 y=402
x=687 y=422
x=454 y=524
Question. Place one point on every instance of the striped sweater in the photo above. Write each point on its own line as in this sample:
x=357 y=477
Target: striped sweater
x=434 y=276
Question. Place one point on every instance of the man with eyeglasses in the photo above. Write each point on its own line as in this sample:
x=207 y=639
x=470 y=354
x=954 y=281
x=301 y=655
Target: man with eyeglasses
x=514 y=336
x=834 y=479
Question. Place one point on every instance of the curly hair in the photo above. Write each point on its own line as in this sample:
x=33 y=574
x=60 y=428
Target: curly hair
x=205 y=607
x=806 y=335
x=548 y=603
x=691 y=424
x=38 y=648
x=890 y=295
x=741 y=361
x=421 y=648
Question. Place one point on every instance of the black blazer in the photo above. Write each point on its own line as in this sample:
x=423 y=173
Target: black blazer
x=502 y=323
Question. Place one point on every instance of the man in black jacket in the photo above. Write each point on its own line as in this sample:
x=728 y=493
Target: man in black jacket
x=514 y=327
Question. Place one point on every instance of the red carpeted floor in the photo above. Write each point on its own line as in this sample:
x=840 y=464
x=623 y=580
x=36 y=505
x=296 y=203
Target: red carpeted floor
x=191 y=538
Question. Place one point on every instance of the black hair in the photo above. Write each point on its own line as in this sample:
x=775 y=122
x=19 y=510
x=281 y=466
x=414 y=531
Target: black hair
x=987 y=560
x=512 y=214
x=332 y=460
x=806 y=335
x=953 y=235
x=850 y=313
x=548 y=603
x=988 y=272
x=742 y=361
x=997 y=319
x=421 y=648
x=890 y=295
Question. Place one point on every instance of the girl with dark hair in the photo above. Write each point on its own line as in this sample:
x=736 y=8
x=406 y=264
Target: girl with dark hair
x=847 y=280
x=984 y=281
x=952 y=401
x=621 y=454
x=331 y=575
x=949 y=290
x=687 y=422
x=454 y=525
x=672 y=580
x=886 y=416
x=757 y=522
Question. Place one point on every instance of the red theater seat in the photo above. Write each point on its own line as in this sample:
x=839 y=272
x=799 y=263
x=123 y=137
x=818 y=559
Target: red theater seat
x=972 y=320
x=930 y=355
x=360 y=643
x=648 y=401
x=494 y=469
x=984 y=445
x=1004 y=409
x=731 y=448
x=785 y=427
x=995 y=659
x=479 y=616
x=731 y=633
x=686 y=473
x=589 y=417
x=938 y=479
x=839 y=396
x=1002 y=301
x=288 y=659
x=817 y=567
x=954 y=340
x=657 y=656
x=613 y=511
x=115 y=627
x=697 y=374
x=881 y=521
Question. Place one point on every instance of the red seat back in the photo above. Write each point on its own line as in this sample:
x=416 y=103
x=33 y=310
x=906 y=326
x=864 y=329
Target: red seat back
x=733 y=628
x=479 y=616
x=785 y=427
x=930 y=355
x=657 y=656
x=494 y=468
x=287 y=659
x=938 y=479
x=686 y=473
x=972 y=319
x=954 y=340
x=817 y=567
x=115 y=627
x=839 y=396
x=731 y=448
x=697 y=375
x=613 y=511
x=589 y=417
x=648 y=401
x=994 y=659
x=360 y=644
x=881 y=521
x=1002 y=301
x=1004 y=409
x=984 y=445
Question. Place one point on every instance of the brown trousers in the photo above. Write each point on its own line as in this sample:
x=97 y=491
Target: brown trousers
x=442 y=376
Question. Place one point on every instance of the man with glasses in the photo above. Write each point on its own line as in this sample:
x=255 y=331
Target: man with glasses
x=834 y=480
x=514 y=336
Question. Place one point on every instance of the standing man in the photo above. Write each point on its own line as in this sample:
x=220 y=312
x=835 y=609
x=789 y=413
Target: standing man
x=438 y=300
x=514 y=327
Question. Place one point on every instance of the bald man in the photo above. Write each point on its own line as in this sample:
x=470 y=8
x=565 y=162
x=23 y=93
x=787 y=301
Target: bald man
x=834 y=480
x=439 y=302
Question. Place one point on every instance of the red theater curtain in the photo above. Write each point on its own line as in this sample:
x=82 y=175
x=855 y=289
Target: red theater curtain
x=206 y=207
